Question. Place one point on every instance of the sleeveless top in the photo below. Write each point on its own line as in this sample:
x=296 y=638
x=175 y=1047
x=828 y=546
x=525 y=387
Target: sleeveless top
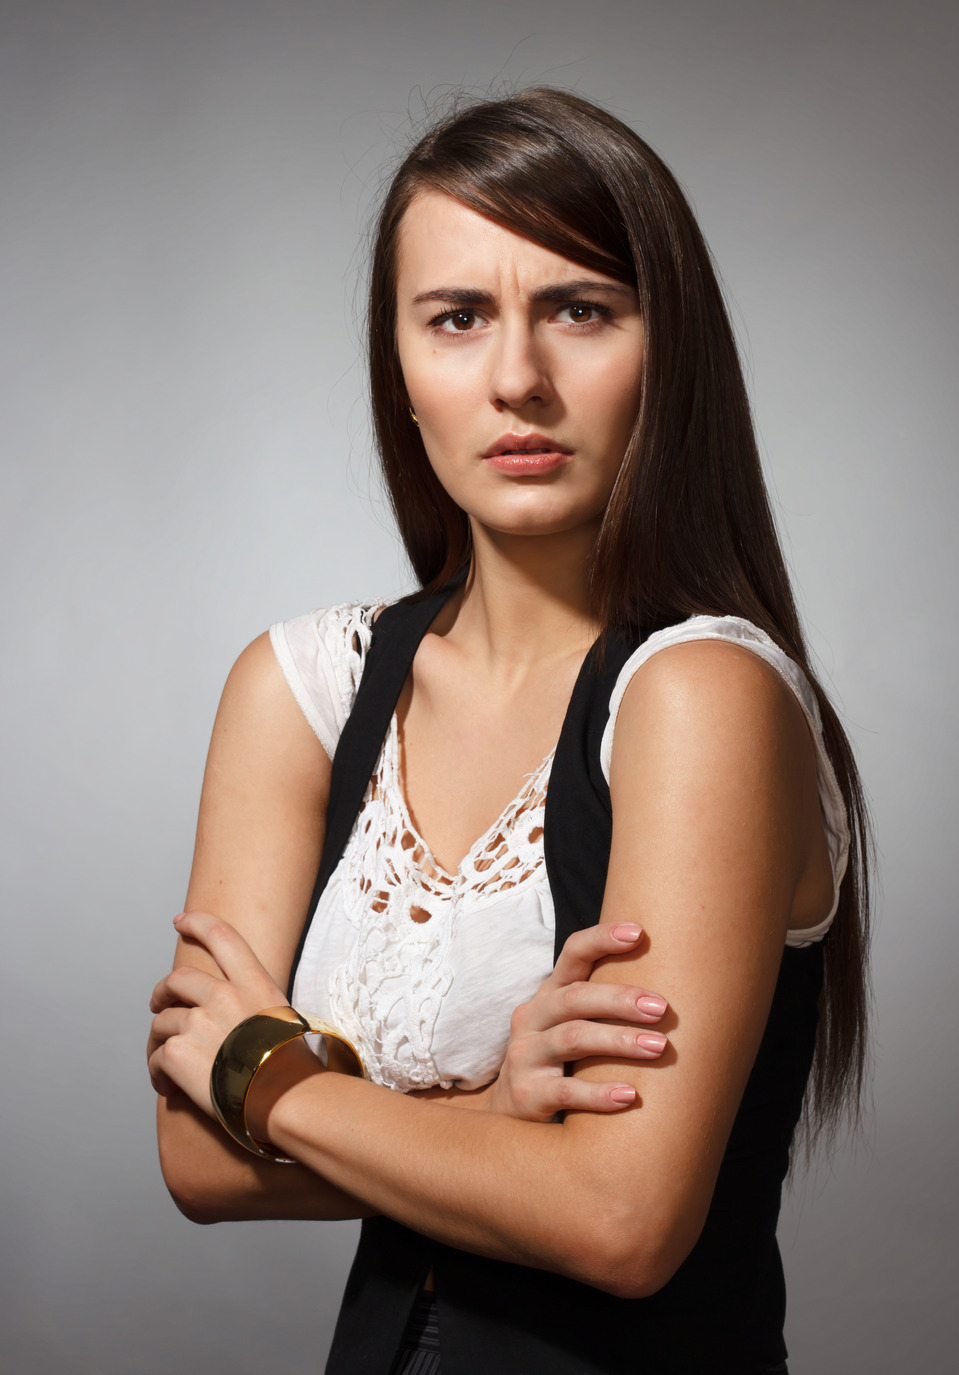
x=722 y=1312
x=422 y=968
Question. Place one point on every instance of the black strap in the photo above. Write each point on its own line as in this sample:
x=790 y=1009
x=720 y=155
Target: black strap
x=397 y=633
x=578 y=826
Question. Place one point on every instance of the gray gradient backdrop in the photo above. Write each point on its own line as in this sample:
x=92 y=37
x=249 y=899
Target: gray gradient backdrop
x=186 y=459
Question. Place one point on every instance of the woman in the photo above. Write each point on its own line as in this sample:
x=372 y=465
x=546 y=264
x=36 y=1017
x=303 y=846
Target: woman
x=566 y=438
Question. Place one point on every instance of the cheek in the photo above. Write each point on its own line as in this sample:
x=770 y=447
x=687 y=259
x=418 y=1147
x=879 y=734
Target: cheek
x=442 y=386
x=607 y=398
x=625 y=400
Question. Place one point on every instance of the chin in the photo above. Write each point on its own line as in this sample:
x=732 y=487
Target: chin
x=530 y=524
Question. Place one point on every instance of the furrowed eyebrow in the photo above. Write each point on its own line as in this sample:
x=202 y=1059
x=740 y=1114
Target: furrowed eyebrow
x=569 y=291
x=560 y=291
x=455 y=296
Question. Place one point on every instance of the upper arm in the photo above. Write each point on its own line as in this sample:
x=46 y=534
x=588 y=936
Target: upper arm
x=714 y=806
x=262 y=814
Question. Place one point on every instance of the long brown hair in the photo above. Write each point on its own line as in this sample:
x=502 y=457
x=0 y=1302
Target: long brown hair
x=688 y=528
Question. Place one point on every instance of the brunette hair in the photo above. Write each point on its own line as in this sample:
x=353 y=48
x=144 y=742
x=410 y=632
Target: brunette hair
x=688 y=528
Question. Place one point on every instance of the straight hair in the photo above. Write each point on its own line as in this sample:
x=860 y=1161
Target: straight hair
x=688 y=528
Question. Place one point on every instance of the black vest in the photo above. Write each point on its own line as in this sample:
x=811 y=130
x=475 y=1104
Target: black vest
x=722 y=1312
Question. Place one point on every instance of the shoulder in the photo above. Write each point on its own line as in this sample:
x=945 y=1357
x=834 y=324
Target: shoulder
x=714 y=731
x=706 y=676
x=710 y=670
x=321 y=656
x=713 y=705
x=258 y=724
x=338 y=634
x=713 y=787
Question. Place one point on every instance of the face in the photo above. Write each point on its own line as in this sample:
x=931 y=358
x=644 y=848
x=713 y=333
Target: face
x=523 y=368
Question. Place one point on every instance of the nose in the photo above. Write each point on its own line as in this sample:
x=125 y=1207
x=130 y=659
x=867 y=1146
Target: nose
x=519 y=374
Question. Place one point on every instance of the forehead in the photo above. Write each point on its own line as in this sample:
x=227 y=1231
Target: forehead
x=443 y=241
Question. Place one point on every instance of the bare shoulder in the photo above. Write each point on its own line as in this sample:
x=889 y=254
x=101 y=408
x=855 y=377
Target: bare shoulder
x=716 y=700
x=259 y=714
x=256 y=682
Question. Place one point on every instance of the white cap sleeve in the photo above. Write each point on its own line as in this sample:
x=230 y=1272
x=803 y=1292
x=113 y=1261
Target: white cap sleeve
x=322 y=656
x=735 y=630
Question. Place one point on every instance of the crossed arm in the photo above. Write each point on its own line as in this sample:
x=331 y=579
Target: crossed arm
x=715 y=829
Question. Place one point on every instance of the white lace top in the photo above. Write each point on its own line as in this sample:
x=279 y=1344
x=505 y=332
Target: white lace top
x=422 y=968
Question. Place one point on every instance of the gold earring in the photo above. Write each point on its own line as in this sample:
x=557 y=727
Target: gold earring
x=413 y=417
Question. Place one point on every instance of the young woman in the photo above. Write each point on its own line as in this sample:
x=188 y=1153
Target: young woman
x=566 y=438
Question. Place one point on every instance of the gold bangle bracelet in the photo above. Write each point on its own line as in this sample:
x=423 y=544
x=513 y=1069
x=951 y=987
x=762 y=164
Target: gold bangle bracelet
x=246 y=1050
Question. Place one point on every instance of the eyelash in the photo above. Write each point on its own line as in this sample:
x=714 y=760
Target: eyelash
x=604 y=312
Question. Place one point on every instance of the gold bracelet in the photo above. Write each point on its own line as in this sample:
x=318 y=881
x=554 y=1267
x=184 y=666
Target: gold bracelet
x=246 y=1050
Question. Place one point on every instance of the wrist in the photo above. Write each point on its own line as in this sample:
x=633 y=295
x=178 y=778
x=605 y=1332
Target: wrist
x=247 y=1052
x=286 y=1068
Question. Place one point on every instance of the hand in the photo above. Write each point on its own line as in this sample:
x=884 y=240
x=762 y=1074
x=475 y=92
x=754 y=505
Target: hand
x=196 y=1010
x=566 y=1020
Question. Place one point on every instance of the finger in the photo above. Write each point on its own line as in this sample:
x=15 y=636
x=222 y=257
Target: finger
x=163 y=1085
x=172 y=1021
x=584 y=948
x=588 y=1040
x=186 y=984
x=178 y=1059
x=578 y=1095
x=577 y=1001
x=231 y=952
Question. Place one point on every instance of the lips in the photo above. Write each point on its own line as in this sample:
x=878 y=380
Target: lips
x=509 y=445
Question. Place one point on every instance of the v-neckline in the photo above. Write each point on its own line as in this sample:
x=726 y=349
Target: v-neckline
x=501 y=825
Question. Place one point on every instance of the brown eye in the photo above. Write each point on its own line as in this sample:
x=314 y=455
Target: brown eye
x=463 y=321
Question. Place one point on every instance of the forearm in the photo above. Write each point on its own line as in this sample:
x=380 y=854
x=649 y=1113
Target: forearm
x=212 y=1179
x=475 y=1100
x=497 y=1186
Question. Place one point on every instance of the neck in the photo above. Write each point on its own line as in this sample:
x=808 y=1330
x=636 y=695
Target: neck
x=525 y=600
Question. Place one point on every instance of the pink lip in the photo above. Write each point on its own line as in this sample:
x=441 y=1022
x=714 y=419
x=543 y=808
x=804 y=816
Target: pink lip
x=526 y=454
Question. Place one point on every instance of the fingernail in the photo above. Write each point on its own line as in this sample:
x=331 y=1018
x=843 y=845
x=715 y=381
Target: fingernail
x=652 y=1003
x=622 y=1095
x=651 y=1040
x=627 y=932
x=179 y=917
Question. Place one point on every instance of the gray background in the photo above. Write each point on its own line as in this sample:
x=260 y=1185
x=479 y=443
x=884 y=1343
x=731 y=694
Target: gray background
x=186 y=459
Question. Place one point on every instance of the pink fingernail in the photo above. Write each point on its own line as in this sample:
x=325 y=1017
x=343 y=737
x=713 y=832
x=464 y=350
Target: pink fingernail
x=622 y=1095
x=627 y=932
x=651 y=1040
x=652 y=1003
x=179 y=917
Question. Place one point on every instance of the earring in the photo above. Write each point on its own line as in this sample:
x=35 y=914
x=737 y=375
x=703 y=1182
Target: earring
x=413 y=417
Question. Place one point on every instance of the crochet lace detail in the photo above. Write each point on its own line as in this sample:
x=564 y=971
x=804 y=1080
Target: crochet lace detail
x=402 y=905
x=349 y=632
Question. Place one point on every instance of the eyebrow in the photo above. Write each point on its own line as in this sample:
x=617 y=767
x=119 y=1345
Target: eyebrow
x=559 y=291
